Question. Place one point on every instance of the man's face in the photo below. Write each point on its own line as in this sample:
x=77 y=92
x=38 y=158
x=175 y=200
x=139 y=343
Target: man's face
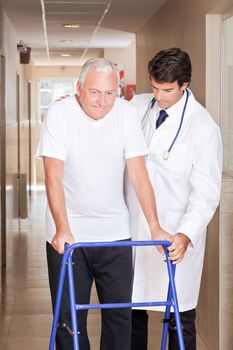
x=167 y=94
x=98 y=93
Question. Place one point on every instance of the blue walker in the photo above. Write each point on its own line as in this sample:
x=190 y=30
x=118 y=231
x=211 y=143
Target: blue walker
x=74 y=308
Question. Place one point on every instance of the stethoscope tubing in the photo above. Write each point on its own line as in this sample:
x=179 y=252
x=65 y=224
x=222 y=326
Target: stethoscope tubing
x=146 y=117
x=181 y=121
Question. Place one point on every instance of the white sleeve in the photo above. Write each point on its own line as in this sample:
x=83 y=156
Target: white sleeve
x=135 y=144
x=53 y=140
x=206 y=185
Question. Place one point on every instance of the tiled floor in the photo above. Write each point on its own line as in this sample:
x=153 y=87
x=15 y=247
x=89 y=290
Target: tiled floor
x=25 y=305
x=25 y=310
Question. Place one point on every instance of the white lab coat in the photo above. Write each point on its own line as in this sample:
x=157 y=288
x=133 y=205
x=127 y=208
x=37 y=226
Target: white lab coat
x=187 y=190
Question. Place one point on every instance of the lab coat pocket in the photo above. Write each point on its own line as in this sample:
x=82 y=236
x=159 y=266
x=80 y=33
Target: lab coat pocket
x=178 y=158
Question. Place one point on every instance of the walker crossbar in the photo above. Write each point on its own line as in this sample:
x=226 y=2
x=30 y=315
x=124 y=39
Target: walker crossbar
x=121 y=305
x=66 y=265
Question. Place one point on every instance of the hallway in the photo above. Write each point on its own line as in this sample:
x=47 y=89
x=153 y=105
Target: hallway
x=25 y=301
x=43 y=45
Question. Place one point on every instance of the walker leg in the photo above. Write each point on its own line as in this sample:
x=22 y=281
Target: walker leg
x=73 y=304
x=58 y=303
x=171 y=273
x=179 y=327
x=166 y=320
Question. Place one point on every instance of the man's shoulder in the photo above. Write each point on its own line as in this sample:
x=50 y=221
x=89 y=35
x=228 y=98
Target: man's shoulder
x=61 y=108
x=64 y=102
x=125 y=112
x=142 y=99
x=124 y=105
x=135 y=102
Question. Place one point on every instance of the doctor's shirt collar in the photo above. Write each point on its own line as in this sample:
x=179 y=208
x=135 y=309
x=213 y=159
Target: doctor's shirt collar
x=175 y=109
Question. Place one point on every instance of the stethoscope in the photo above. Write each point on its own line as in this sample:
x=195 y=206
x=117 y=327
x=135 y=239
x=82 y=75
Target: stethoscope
x=166 y=153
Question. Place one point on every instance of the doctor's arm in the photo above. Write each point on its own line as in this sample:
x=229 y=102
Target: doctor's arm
x=54 y=169
x=139 y=177
x=205 y=181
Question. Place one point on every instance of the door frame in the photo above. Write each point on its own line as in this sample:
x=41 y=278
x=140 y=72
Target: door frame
x=3 y=160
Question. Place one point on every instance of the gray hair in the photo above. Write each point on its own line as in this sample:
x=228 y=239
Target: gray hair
x=100 y=65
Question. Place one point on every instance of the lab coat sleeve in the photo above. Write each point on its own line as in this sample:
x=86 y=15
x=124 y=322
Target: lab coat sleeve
x=205 y=183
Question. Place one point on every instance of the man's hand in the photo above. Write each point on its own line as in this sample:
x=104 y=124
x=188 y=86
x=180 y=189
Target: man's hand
x=160 y=235
x=60 y=239
x=178 y=248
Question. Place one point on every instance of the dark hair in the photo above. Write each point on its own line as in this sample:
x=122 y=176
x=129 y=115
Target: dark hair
x=169 y=66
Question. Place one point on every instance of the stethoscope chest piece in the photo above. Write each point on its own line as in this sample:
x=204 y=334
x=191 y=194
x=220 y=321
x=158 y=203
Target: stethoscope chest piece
x=165 y=155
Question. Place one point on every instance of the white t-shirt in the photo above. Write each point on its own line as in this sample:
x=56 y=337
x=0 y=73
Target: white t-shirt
x=94 y=155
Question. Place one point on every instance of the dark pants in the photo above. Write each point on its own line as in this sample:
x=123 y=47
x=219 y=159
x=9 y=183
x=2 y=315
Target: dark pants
x=140 y=330
x=111 y=268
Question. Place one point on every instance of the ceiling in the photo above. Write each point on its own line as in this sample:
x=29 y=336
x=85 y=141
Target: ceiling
x=103 y=24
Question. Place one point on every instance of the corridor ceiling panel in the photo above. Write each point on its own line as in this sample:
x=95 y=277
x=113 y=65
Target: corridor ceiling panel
x=102 y=24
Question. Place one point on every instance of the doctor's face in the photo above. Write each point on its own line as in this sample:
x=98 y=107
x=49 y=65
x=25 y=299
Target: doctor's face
x=98 y=93
x=167 y=94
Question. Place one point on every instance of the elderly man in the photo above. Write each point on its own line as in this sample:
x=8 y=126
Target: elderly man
x=86 y=141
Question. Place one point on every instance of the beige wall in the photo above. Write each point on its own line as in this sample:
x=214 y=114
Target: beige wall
x=178 y=23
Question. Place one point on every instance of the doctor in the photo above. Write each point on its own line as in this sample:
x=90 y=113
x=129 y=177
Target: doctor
x=185 y=166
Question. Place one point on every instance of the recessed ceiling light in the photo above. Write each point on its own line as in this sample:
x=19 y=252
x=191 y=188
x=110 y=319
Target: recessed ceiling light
x=72 y=25
x=64 y=41
x=65 y=54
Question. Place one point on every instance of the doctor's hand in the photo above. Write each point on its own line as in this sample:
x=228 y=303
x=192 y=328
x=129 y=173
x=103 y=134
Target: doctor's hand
x=59 y=240
x=178 y=248
x=160 y=235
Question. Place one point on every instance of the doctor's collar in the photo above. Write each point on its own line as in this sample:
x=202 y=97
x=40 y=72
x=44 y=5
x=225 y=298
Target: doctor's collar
x=175 y=108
